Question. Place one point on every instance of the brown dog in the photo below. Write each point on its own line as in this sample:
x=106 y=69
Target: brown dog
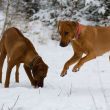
x=89 y=40
x=20 y=50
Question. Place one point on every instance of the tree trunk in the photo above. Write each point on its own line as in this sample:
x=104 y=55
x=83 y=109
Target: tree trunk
x=6 y=18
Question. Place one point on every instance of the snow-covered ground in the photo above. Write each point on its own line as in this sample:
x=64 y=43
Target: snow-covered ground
x=88 y=89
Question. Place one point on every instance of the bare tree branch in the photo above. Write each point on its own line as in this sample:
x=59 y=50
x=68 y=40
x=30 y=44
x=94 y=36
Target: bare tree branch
x=6 y=18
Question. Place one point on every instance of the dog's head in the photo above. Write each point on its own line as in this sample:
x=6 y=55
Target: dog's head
x=67 y=31
x=39 y=71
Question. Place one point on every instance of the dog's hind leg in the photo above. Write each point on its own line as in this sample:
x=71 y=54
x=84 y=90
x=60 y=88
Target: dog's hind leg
x=2 y=58
x=17 y=73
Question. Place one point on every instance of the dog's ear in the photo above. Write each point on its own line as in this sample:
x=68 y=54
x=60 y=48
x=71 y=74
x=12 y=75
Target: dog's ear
x=75 y=23
x=58 y=24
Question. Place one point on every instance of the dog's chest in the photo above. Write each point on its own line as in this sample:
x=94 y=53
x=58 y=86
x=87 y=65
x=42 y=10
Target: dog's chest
x=80 y=46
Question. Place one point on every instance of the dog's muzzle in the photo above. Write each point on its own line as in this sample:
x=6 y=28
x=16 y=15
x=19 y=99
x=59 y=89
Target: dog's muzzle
x=63 y=44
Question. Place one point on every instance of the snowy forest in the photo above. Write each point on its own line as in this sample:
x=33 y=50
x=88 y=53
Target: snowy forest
x=49 y=12
x=88 y=89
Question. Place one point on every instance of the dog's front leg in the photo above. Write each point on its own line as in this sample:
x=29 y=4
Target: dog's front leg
x=88 y=57
x=29 y=74
x=17 y=73
x=71 y=61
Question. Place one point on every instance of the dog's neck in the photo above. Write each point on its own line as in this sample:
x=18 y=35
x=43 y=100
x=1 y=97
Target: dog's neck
x=35 y=59
x=79 y=29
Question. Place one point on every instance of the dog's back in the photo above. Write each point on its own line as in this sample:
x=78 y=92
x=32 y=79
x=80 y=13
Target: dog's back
x=98 y=38
x=14 y=41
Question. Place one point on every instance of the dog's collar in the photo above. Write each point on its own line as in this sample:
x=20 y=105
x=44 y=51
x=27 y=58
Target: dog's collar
x=35 y=59
x=78 y=31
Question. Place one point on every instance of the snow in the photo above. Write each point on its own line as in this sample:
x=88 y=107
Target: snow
x=1 y=20
x=88 y=89
x=102 y=10
x=62 y=2
x=70 y=92
x=94 y=2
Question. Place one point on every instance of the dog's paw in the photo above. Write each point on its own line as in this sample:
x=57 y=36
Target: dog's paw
x=6 y=85
x=34 y=83
x=76 y=69
x=63 y=74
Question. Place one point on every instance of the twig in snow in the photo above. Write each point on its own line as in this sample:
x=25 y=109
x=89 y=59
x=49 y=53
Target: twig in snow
x=60 y=92
x=9 y=108
x=12 y=108
x=70 y=91
x=2 y=107
x=101 y=84
x=92 y=98
x=39 y=90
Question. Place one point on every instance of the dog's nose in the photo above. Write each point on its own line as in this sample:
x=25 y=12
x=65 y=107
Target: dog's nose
x=62 y=44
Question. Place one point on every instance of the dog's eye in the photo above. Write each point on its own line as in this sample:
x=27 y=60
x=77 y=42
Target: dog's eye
x=60 y=33
x=66 y=33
